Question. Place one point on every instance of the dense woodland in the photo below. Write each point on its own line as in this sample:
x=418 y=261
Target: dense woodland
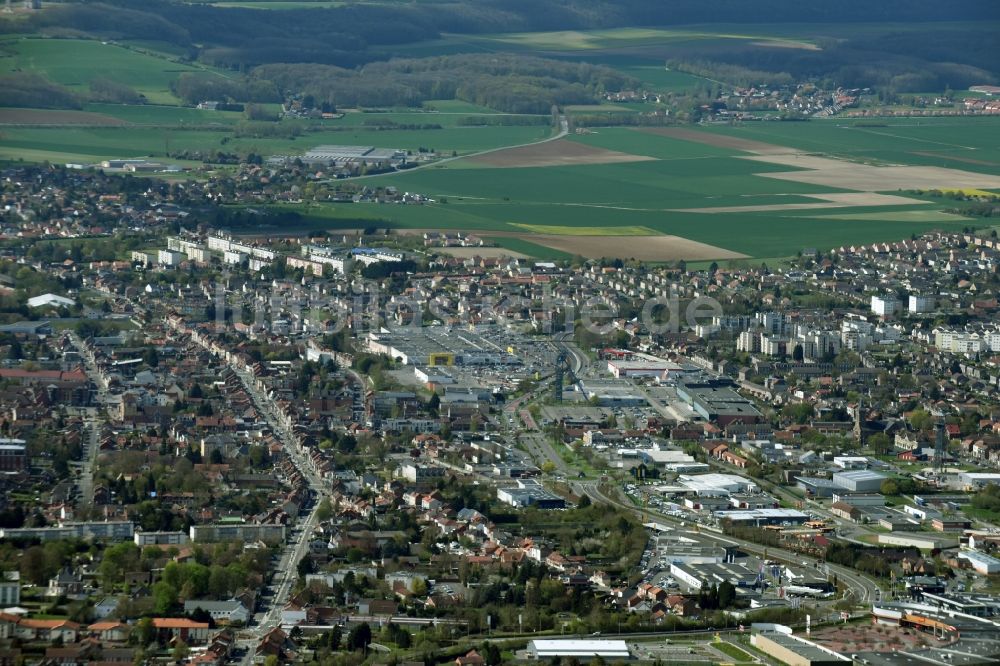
x=917 y=59
x=516 y=84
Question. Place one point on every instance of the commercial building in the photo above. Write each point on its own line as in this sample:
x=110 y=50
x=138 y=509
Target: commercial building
x=674 y=550
x=717 y=484
x=435 y=346
x=851 y=462
x=353 y=155
x=433 y=375
x=796 y=651
x=577 y=649
x=245 y=532
x=981 y=563
x=859 y=499
x=46 y=300
x=716 y=400
x=863 y=481
x=663 y=459
x=978 y=480
x=762 y=517
x=816 y=486
x=529 y=492
x=622 y=369
x=693 y=576
x=921 y=540
x=613 y=393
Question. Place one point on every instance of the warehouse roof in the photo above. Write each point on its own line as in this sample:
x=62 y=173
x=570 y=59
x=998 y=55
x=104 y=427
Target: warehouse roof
x=578 y=648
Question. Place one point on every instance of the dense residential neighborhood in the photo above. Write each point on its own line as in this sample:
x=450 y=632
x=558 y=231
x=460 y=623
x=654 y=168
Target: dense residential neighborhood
x=354 y=446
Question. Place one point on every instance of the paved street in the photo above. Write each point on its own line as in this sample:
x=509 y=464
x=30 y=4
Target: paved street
x=286 y=571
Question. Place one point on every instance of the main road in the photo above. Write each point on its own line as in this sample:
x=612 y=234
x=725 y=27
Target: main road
x=92 y=423
x=861 y=587
x=287 y=570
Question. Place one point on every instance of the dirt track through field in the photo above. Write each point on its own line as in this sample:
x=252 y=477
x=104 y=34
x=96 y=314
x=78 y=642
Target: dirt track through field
x=644 y=248
x=829 y=200
x=954 y=158
x=555 y=153
x=720 y=140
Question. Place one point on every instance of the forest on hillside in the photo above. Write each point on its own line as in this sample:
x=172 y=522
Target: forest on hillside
x=349 y=55
x=354 y=34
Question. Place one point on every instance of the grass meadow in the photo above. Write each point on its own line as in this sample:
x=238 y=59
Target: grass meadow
x=74 y=63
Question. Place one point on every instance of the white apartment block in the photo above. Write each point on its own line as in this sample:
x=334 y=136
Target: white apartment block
x=170 y=258
x=233 y=258
x=918 y=303
x=885 y=306
x=964 y=342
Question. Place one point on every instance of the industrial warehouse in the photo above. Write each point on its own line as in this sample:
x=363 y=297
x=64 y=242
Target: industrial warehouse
x=346 y=155
x=434 y=346
x=578 y=649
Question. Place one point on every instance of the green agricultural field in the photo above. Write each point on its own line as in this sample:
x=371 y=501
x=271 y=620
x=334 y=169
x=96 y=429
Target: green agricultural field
x=561 y=230
x=74 y=144
x=758 y=235
x=161 y=115
x=456 y=106
x=529 y=248
x=588 y=40
x=969 y=144
x=91 y=144
x=444 y=141
x=75 y=62
x=622 y=197
x=448 y=119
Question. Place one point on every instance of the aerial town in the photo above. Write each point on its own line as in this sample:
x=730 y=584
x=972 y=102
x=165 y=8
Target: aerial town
x=354 y=446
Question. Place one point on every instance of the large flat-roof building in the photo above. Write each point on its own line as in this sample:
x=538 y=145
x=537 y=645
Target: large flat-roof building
x=977 y=480
x=981 y=562
x=716 y=484
x=693 y=575
x=578 y=649
x=612 y=393
x=332 y=154
x=762 y=517
x=921 y=540
x=642 y=367
x=796 y=651
x=434 y=346
x=716 y=400
x=529 y=492
x=859 y=481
